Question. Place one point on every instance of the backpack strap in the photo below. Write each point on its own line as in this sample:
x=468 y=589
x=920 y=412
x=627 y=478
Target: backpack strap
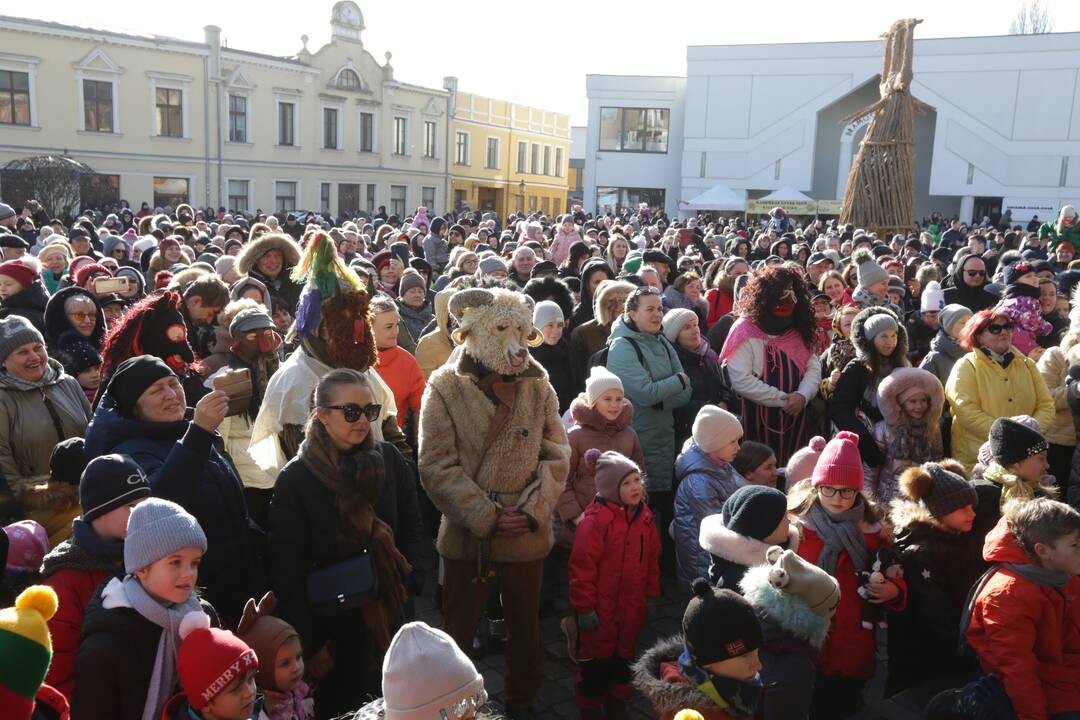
x=969 y=607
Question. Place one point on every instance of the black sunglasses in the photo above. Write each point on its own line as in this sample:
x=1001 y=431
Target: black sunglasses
x=975 y=273
x=352 y=411
x=998 y=328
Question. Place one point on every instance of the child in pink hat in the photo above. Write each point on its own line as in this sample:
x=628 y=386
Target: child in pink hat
x=841 y=533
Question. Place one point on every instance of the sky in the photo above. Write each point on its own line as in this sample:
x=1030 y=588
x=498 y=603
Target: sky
x=538 y=53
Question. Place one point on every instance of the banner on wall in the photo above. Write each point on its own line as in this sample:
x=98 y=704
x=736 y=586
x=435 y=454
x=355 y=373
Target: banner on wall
x=792 y=207
x=1024 y=208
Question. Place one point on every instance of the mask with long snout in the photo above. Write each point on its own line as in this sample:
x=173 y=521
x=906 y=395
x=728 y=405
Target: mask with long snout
x=495 y=327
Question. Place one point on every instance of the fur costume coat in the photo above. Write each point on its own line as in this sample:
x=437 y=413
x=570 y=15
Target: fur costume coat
x=469 y=480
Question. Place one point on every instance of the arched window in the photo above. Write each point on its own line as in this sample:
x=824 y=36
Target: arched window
x=349 y=80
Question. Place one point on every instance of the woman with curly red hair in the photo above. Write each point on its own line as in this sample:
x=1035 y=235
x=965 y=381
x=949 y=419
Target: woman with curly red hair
x=772 y=358
x=993 y=380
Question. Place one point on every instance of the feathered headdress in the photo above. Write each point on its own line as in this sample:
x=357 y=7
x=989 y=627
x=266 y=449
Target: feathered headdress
x=326 y=277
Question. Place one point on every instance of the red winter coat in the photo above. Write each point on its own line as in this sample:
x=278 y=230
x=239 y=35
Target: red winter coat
x=1027 y=635
x=591 y=431
x=720 y=304
x=850 y=650
x=614 y=566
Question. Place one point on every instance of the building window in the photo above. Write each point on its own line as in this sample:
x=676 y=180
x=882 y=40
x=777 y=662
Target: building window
x=461 y=146
x=398 y=197
x=99 y=191
x=634 y=129
x=348 y=80
x=430 y=133
x=371 y=198
x=324 y=196
x=523 y=151
x=613 y=199
x=330 y=128
x=170 y=112
x=285 y=195
x=534 y=166
x=558 y=162
x=367 y=132
x=98 y=105
x=237 y=118
x=492 y=154
x=547 y=160
x=532 y=203
x=239 y=195
x=286 y=123
x=427 y=197
x=459 y=199
x=14 y=98
x=401 y=131
x=170 y=191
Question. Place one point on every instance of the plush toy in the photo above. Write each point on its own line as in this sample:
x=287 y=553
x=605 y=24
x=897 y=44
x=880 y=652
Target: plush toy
x=886 y=567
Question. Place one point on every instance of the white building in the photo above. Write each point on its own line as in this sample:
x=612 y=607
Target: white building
x=1003 y=131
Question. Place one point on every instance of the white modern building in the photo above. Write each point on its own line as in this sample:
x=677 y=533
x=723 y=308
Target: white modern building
x=1003 y=129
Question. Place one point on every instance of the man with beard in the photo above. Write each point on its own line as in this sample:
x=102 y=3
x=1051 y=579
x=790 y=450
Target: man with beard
x=772 y=358
x=332 y=330
x=254 y=348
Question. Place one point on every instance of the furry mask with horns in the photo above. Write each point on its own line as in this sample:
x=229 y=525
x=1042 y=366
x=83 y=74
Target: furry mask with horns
x=495 y=327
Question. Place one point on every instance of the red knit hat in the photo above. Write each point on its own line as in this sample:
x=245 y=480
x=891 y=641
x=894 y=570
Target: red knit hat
x=840 y=464
x=209 y=659
x=87 y=271
x=20 y=272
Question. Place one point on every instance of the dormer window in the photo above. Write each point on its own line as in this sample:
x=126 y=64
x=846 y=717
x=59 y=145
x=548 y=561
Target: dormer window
x=349 y=80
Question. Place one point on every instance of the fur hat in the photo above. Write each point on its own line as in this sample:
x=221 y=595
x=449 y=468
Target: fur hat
x=940 y=490
x=611 y=468
x=714 y=428
x=674 y=321
x=840 y=464
x=600 y=380
x=1012 y=442
x=790 y=573
x=864 y=344
x=868 y=271
x=903 y=383
x=801 y=465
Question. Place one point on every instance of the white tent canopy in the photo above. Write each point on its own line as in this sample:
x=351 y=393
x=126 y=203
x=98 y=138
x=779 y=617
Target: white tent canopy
x=718 y=197
x=787 y=194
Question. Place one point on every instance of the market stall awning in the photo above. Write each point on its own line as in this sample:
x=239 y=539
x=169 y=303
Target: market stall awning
x=718 y=197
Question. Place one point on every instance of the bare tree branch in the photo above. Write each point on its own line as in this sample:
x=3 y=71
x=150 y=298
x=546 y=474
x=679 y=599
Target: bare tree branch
x=1033 y=18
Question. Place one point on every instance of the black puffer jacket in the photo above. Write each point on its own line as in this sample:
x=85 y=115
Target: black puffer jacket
x=30 y=303
x=562 y=372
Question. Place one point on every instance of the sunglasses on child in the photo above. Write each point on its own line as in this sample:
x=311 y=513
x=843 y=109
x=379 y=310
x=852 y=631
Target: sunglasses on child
x=844 y=493
x=998 y=328
x=352 y=411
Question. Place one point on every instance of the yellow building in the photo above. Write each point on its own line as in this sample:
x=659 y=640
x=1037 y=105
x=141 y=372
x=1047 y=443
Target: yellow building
x=507 y=157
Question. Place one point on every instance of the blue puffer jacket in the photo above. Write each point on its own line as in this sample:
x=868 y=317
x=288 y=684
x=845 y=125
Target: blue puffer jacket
x=183 y=465
x=655 y=389
x=704 y=485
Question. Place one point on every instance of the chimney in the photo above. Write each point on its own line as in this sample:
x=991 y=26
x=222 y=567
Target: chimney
x=213 y=40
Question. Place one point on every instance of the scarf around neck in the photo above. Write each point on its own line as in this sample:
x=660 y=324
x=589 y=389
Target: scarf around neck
x=164 y=677
x=1057 y=579
x=790 y=343
x=840 y=533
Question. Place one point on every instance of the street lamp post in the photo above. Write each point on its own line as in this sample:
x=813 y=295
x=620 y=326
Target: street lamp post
x=521 y=191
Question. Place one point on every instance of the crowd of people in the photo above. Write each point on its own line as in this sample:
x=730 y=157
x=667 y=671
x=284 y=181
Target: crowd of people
x=235 y=448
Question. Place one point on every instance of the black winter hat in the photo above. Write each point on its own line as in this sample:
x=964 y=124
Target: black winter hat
x=76 y=353
x=131 y=379
x=1012 y=442
x=719 y=625
x=68 y=460
x=754 y=511
x=108 y=482
x=655 y=256
x=1011 y=273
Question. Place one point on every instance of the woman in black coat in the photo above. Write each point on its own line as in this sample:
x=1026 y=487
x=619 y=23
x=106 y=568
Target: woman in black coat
x=344 y=496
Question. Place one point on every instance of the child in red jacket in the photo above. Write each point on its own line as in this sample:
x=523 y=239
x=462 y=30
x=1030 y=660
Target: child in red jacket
x=614 y=567
x=841 y=533
x=1025 y=622
x=109 y=487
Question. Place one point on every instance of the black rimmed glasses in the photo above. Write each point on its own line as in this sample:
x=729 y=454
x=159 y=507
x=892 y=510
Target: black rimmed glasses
x=844 y=493
x=353 y=412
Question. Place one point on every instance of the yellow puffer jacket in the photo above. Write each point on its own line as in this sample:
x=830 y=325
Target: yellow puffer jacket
x=980 y=391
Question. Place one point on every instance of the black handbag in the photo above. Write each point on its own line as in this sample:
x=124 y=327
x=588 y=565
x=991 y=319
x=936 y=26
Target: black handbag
x=343 y=586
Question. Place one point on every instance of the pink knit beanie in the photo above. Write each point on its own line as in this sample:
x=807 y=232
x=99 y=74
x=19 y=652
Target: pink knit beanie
x=840 y=464
x=801 y=465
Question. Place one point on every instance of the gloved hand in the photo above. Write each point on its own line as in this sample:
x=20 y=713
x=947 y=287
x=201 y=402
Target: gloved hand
x=588 y=621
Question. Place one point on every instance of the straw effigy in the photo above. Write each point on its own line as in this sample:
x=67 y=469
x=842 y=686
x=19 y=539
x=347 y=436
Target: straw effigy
x=880 y=191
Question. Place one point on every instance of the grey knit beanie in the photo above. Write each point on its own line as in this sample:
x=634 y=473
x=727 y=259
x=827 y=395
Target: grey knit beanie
x=157 y=528
x=952 y=314
x=867 y=268
x=15 y=331
x=877 y=324
x=491 y=264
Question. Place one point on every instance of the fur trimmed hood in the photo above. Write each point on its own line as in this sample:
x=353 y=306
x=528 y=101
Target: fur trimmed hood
x=604 y=294
x=727 y=544
x=902 y=379
x=784 y=610
x=549 y=288
x=254 y=250
x=588 y=416
x=51 y=495
x=668 y=698
x=864 y=347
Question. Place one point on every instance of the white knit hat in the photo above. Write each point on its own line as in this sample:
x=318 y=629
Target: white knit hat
x=674 y=321
x=425 y=673
x=932 y=298
x=546 y=311
x=715 y=427
x=599 y=382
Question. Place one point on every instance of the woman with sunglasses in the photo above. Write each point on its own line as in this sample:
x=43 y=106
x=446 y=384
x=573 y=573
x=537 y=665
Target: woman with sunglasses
x=993 y=380
x=969 y=282
x=345 y=495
